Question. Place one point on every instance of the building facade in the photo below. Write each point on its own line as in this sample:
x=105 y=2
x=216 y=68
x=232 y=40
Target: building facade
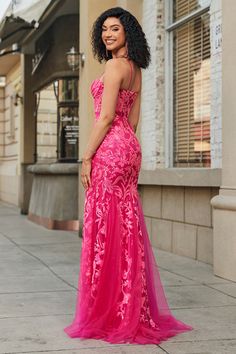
x=186 y=130
x=186 y=181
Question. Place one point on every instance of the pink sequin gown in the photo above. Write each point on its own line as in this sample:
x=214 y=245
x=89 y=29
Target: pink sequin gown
x=120 y=296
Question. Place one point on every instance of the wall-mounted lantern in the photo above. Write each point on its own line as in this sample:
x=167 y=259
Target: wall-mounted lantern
x=75 y=59
x=17 y=98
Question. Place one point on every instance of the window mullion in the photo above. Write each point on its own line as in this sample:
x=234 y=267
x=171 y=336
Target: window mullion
x=187 y=18
x=187 y=93
x=169 y=142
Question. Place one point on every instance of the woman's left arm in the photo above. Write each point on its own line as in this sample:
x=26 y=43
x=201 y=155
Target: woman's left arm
x=112 y=83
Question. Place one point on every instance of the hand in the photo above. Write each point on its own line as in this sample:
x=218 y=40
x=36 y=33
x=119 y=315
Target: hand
x=85 y=173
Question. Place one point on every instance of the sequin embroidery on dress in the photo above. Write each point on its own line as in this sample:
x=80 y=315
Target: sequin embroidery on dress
x=120 y=296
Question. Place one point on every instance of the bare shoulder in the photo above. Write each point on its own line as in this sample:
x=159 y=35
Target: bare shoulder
x=114 y=69
x=114 y=64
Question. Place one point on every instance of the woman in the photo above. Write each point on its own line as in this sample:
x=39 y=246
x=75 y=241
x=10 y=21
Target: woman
x=120 y=297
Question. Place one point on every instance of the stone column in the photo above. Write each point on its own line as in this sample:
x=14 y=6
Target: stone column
x=224 y=205
x=27 y=133
x=89 y=11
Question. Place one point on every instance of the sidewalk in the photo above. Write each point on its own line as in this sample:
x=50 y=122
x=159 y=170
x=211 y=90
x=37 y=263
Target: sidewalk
x=38 y=278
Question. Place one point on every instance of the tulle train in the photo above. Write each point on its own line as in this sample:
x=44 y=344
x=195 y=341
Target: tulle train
x=97 y=312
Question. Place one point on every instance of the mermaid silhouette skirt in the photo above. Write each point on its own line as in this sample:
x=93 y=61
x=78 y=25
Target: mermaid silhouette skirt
x=120 y=296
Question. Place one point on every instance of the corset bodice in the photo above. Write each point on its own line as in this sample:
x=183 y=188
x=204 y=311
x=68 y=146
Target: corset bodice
x=125 y=100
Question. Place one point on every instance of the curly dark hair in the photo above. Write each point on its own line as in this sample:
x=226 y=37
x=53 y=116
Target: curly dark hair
x=138 y=49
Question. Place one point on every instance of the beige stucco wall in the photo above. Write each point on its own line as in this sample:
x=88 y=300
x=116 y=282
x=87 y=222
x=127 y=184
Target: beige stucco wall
x=9 y=129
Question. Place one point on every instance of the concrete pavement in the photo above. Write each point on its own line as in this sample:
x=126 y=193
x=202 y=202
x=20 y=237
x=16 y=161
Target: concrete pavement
x=38 y=279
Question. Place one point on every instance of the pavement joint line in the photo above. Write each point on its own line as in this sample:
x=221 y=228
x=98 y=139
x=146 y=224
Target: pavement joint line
x=104 y=346
x=201 y=307
x=47 y=243
x=173 y=340
x=107 y=345
x=221 y=291
x=40 y=260
x=3 y=215
x=226 y=283
x=37 y=292
x=175 y=273
x=43 y=244
x=181 y=285
x=164 y=350
x=36 y=316
x=199 y=282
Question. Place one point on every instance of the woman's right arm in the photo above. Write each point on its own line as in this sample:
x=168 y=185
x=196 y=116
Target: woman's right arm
x=112 y=82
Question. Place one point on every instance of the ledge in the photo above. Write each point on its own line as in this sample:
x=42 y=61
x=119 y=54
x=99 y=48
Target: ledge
x=224 y=202
x=54 y=169
x=193 y=177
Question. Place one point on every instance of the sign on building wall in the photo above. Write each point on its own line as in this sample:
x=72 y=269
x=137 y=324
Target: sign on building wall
x=217 y=37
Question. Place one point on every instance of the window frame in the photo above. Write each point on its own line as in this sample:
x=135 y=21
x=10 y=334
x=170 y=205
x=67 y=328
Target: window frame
x=170 y=26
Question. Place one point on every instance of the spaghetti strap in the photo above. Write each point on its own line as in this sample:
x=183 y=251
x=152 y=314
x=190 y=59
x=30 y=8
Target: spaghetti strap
x=131 y=75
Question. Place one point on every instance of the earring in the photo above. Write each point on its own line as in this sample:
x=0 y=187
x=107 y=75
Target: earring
x=106 y=53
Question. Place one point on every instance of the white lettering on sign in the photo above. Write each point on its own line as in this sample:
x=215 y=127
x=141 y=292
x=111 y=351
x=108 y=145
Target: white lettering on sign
x=69 y=119
x=217 y=37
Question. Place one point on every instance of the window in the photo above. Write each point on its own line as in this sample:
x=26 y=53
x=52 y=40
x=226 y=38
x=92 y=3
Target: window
x=68 y=120
x=58 y=122
x=46 y=108
x=190 y=47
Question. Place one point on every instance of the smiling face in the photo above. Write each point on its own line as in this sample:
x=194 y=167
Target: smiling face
x=113 y=34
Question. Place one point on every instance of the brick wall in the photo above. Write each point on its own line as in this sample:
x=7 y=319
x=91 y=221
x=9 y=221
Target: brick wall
x=152 y=123
x=216 y=82
x=149 y=90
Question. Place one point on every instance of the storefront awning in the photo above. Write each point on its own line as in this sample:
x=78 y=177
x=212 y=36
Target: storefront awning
x=22 y=17
x=12 y=30
x=30 y=10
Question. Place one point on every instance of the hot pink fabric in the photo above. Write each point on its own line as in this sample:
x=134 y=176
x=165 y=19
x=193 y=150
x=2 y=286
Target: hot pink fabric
x=120 y=296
